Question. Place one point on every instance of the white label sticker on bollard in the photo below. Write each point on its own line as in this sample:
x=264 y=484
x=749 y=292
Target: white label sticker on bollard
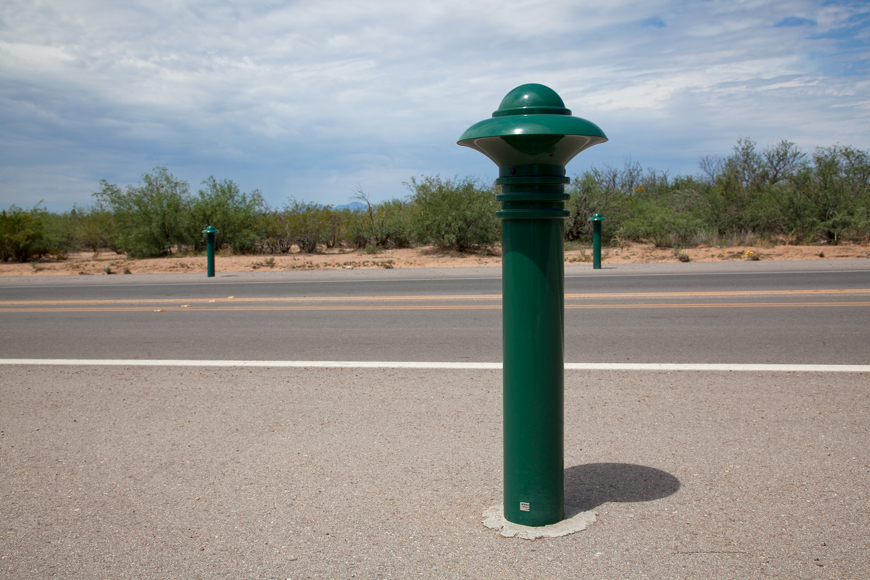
x=524 y=506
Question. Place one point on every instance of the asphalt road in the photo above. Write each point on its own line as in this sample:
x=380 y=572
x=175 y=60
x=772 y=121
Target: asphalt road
x=196 y=472
x=795 y=313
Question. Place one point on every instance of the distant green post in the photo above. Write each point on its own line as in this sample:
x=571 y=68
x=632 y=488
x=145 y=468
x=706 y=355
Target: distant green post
x=531 y=137
x=596 y=220
x=209 y=232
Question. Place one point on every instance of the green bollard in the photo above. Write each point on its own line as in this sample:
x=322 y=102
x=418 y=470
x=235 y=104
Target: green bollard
x=209 y=232
x=596 y=220
x=531 y=137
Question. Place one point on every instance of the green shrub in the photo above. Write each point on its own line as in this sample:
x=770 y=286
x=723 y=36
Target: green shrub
x=833 y=193
x=775 y=193
x=656 y=221
x=96 y=229
x=384 y=224
x=149 y=216
x=305 y=224
x=61 y=232
x=233 y=213
x=590 y=194
x=454 y=214
x=357 y=228
x=22 y=234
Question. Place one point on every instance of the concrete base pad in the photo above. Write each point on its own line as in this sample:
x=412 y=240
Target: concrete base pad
x=493 y=518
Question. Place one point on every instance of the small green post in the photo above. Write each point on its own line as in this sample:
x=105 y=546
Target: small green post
x=209 y=232
x=596 y=220
x=531 y=137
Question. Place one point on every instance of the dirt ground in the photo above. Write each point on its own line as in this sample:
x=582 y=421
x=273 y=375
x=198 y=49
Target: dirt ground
x=87 y=263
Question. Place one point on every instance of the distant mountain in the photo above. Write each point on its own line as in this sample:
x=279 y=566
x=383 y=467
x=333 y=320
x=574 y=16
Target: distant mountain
x=352 y=206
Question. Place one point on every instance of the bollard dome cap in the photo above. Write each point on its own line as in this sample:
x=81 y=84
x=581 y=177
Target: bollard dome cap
x=532 y=99
x=211 y=230
x=597 y=217
x=532 y=126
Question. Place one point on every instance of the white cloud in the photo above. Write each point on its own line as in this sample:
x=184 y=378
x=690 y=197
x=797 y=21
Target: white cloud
x=281 y=92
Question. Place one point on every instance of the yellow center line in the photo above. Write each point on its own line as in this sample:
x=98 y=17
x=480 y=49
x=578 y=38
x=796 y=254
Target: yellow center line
x=484 y=297
x=439 y=307
x=721 y=305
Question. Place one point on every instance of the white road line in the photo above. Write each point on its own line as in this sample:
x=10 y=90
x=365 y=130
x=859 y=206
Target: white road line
x=720 y=367
x=438 y=365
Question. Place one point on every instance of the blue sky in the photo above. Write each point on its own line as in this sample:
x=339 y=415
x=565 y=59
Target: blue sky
x=312 y=99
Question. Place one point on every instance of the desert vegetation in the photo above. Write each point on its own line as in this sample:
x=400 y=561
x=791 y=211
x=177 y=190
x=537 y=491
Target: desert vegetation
x=778 y=194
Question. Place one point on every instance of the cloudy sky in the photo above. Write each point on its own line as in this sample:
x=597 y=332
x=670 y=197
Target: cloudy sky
x=314 y=98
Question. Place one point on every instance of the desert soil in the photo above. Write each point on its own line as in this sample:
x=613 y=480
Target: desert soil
x=87 y=263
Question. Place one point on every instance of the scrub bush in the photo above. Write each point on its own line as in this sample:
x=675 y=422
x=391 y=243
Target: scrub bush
x=454 y=214
x=149 y=216
x=21 y=234
x=235 y=214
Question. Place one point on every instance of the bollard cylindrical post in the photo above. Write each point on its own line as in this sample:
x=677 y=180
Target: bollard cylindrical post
x=209 y=232
x=531 y=137
x=533 y=290
x=596 y=220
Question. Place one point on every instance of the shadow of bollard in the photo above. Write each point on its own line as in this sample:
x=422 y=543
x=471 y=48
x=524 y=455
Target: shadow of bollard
x=591 y=485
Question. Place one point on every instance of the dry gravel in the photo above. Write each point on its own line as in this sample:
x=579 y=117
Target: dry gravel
x=86 y=263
